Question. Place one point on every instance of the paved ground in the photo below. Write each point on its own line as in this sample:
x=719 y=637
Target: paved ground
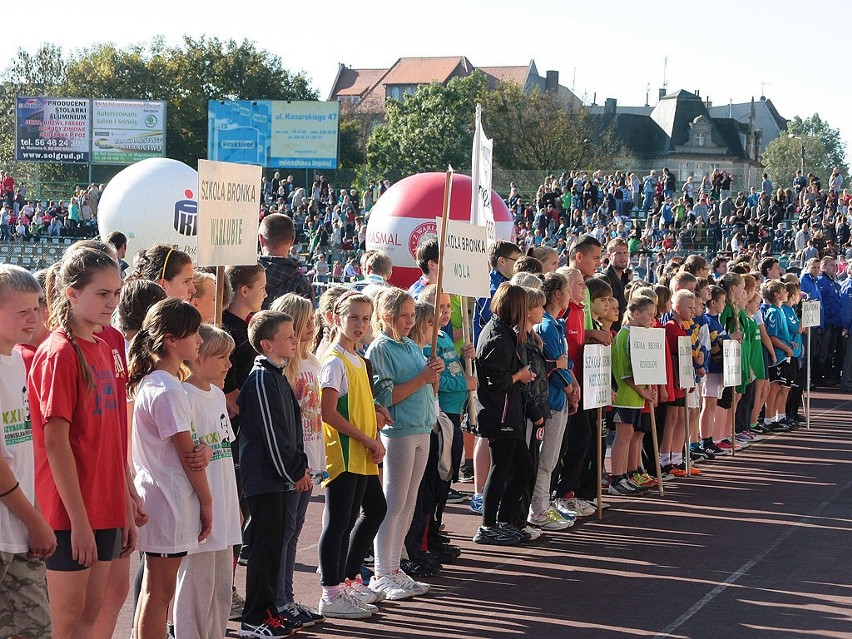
x=757 y=547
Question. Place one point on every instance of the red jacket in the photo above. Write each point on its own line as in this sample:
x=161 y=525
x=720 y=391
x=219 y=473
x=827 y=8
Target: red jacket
x=575 y=333
x=673 y=331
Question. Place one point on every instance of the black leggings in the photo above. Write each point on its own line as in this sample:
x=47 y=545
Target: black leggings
x=346 y=537
x=511 y=471
x=578 y=436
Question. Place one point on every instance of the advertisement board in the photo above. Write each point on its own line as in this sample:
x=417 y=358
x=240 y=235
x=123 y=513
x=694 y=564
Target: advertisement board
x=275 y=134
x=52 y=130
x=127 y=131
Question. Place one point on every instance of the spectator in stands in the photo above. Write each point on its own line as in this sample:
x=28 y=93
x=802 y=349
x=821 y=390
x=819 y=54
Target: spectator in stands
x=118 y=240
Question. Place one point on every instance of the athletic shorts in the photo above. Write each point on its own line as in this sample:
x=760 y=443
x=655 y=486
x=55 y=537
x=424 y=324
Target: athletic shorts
x=713 y=385
x=727 y=398
x=632 y=416
x=108 y=542
x=677 y=401
x=780 y=374
x=24 y=609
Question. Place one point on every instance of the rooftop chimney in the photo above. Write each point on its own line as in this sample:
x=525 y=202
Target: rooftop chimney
x=551 y=82
x=662 y=93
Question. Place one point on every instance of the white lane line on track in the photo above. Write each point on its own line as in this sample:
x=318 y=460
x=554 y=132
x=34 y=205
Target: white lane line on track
x=733 y=577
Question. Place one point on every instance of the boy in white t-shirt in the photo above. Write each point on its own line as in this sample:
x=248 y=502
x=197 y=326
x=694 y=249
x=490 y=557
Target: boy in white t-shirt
x=25 y=537
x=203 y=596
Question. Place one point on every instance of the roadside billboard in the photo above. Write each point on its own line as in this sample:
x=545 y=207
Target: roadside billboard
x=275 y=134
x=127 y=131
x=52 y=130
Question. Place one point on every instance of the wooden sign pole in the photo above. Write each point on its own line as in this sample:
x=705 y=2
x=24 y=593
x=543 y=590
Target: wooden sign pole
x=220 y=294
x=471 y=395
x=599 y=462
x=445 y=214
x=656 y=443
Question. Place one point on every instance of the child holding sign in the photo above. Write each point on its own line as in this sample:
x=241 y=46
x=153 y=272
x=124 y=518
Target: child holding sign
x=713 y=381
x=630 y=398
x=680 y=325
x=780 y=374
x=797 y=373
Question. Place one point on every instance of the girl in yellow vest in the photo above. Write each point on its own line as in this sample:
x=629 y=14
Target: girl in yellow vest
x=353 y=451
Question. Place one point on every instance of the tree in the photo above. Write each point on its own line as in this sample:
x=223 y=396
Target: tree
x=186 y=76
x=427 y=130
x=783 y=157
x=534 y=130
x=832 y=143
x=37 y=73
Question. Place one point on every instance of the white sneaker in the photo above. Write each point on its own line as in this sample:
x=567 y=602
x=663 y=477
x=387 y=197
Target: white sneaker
x=580 y=507
x=532 y=531
x=388 y=585
x=362 y=593
x=550 y=519
x=343 y=606
x=407 y=583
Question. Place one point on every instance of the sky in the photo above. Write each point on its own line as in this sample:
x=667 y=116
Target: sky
x=795 y=53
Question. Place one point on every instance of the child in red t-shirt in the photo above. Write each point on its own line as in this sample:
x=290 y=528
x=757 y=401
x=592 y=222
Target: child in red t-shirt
x=671 y=454
x=78 y=437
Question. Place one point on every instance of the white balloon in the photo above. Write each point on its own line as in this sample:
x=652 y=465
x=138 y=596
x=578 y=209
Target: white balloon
x=152 y=201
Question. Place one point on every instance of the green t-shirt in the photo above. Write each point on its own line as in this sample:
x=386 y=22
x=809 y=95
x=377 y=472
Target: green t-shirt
x=588 y=324
x=626 y=397
x=754 y=347
x=727 y=320
x=456 y=320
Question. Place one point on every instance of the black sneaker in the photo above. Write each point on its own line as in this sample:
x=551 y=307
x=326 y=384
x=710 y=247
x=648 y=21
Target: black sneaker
x=291 y=617
x=778 y=427
x=445 y=553
x=456 y=497
x=759 y=429
x=418 y=568
x=709 y=455
x=295 y=613
x=272 y=627
x=698 y=455
x=496 y=536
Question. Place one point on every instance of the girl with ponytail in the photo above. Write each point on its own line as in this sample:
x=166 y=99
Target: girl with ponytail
x=77 y=432
x=169 y=478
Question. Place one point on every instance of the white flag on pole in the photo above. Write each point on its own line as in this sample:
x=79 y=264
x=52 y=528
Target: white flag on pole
x=481 y=213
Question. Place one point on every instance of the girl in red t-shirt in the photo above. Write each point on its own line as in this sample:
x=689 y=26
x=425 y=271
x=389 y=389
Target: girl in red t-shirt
x=77 y=433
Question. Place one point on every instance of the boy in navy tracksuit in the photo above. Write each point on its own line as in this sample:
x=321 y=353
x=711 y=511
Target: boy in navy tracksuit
x=273 y=463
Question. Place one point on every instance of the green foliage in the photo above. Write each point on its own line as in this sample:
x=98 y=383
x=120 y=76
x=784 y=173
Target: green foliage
x=531 y=130
x=352 y=143
x=427 y=130
x=186 y=76
x=823 y=149
x=830 y=139
x=535 y=130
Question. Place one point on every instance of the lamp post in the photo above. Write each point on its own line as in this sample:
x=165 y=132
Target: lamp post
x=802 y=145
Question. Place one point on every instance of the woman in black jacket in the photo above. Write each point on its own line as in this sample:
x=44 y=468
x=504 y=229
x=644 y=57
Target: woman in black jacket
x=502 y=372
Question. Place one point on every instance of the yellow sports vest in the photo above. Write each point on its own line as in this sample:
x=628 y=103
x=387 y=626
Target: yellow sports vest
x=343 y=454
